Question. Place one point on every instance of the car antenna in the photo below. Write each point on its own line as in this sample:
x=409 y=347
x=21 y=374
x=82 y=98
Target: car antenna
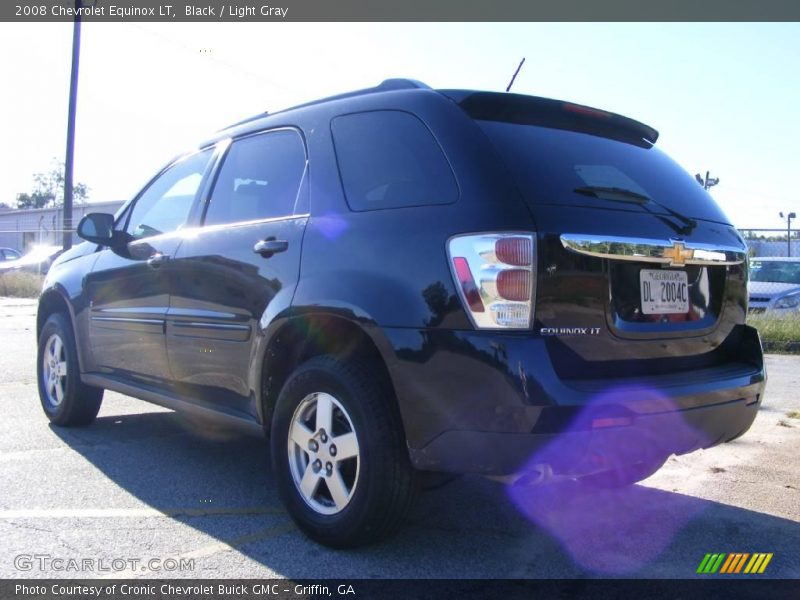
x=514 y=76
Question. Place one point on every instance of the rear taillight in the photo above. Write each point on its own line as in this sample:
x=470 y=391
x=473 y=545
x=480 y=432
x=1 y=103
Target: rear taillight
x=496 y=278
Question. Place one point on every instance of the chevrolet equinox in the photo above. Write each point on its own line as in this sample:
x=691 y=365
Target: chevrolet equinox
x=399 y=282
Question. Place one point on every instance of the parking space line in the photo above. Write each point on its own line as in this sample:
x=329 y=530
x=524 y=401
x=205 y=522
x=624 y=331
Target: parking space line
x=114 y=513
x=214 y=548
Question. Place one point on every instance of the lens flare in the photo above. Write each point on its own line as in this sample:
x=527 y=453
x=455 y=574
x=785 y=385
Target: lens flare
x=331 y=225
x=610 y=530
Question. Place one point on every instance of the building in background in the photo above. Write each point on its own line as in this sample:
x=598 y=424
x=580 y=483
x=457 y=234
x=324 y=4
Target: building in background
x=22 y=229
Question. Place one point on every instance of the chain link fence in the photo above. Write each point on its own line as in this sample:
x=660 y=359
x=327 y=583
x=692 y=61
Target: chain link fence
x=774 y=287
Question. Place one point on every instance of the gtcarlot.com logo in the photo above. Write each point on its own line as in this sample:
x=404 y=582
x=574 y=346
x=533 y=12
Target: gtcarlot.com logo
x=734 y=563
x=47 y=562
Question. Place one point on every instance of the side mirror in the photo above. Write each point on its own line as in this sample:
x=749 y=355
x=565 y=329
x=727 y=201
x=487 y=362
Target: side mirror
x=97 y=228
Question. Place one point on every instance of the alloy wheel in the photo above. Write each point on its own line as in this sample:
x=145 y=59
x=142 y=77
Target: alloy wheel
x=324 y=455
x=54 y=371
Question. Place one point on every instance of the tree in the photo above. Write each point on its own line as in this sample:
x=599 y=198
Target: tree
x=48 y=189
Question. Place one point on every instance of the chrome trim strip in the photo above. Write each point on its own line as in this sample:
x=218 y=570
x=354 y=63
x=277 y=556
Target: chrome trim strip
x=156 y=310
x=211 y=325
x=674 y=252
x=129 y=320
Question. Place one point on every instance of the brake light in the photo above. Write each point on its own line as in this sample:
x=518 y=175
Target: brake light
x=468 y=287
x=517 y=251
x=514 y=284
x=611 y=422
x=496 y=278
x=585 y=110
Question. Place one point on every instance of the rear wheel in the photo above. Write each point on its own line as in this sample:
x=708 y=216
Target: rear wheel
x=338 y=454
x=65 y=399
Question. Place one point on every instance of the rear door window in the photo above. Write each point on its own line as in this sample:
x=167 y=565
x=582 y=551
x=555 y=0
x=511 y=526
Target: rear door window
x=259 y=178
x=390 y=159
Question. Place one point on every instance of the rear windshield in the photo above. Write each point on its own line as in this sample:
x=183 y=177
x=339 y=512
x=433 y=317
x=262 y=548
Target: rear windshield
x=550 y=164
x=775 y=271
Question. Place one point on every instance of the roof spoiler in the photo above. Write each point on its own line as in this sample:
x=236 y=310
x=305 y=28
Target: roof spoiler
x=557 y=114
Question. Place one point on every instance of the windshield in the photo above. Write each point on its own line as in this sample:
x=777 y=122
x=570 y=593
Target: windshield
x=555 y=166
x=775 y=271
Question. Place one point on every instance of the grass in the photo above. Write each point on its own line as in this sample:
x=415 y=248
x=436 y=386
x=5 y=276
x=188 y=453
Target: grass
x=793 y=414
x=19 y=284
x=779 y=334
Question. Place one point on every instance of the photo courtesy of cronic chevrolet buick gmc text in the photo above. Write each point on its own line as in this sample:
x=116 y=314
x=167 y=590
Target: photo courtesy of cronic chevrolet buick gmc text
x=402 y=281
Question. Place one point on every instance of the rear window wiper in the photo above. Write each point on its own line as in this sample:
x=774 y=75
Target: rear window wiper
x=626 y=195
x=598 y=190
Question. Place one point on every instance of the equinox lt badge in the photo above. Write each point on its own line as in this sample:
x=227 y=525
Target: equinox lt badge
x=570 y=331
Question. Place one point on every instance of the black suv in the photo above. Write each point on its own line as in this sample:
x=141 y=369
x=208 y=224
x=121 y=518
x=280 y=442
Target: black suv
x=403 y=280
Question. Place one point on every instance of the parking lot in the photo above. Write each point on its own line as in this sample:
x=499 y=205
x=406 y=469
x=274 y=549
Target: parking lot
x=144 y=483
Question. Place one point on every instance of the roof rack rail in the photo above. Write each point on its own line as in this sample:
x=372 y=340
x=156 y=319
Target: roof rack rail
x=387 y=85
x=247 y=120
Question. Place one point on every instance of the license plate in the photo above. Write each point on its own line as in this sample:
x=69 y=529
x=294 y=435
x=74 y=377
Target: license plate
x=664 y=292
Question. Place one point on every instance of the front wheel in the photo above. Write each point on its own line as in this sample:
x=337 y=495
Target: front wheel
x=66 y=400
x=339 y=455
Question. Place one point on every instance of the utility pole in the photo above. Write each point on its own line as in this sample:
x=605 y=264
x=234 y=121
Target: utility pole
x=788 y=218
x=708 y=182
x=73 y=101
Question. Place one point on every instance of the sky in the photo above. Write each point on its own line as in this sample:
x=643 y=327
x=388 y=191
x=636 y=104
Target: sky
x=725 y=97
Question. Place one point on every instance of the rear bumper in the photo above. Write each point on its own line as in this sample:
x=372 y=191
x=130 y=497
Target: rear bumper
x=475 y=402
x=578 y=453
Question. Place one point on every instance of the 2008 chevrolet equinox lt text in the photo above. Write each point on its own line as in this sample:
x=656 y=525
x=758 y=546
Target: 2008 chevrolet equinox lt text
x=403 y=280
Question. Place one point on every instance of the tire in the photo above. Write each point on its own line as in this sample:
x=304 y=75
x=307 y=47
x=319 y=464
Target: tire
x=623 y=476
x=371 y=482
x=65 y=399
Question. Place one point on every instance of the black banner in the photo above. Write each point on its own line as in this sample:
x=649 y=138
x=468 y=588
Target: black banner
x=438 y=589
x=397 y=11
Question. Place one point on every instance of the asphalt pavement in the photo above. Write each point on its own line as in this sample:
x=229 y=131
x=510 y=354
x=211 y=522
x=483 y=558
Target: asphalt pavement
x=145 y=492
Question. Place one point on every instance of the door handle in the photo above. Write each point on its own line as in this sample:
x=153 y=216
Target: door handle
x=268 y=247
x=157 y=260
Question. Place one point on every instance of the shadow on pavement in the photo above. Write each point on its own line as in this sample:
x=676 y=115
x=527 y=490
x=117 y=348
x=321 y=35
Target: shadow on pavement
x=472 y=528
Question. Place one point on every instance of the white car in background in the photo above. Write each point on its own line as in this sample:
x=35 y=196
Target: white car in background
x=774 y=285
x=8 y=254
x=37 y=259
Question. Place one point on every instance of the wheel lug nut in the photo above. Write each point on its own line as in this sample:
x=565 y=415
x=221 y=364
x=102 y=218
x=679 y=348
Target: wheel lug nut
x=313 y=445
x=317 y=465
x=329 y=468
x=323 y=437
x=332 y=450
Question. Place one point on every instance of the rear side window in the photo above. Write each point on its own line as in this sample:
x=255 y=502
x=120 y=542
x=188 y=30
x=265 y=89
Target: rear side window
x=390 y=159
x=259 y=179
x=552 y=166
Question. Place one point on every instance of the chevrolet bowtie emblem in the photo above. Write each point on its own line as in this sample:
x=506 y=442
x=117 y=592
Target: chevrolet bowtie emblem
x=678 y=254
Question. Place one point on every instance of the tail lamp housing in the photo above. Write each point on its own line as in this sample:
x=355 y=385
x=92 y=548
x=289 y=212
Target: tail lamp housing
x=495 y=274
